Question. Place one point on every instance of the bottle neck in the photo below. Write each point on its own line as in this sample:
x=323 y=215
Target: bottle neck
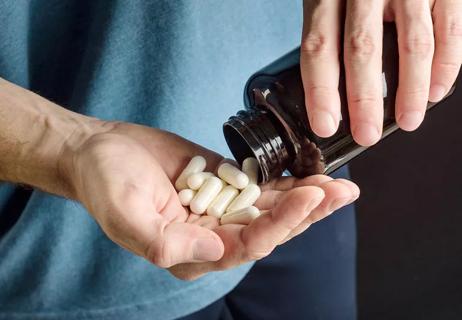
x=255 y=133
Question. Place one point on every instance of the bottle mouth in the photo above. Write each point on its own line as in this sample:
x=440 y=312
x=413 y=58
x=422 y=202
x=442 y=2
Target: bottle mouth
x=251 y=133
x=239 y=142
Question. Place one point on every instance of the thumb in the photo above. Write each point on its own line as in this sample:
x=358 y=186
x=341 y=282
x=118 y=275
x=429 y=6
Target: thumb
x=180 y=242
x=162 y=242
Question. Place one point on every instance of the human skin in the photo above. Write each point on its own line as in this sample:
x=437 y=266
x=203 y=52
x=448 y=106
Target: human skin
x=122 y=173
x=430 y=56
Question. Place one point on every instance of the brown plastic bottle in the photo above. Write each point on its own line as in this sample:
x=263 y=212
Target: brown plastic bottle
x=274 y=126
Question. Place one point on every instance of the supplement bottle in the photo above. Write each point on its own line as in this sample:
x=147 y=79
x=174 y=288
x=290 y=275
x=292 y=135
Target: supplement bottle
x=274 y=126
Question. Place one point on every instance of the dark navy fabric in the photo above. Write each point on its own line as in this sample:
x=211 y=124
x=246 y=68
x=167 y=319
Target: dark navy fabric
x=176 y=65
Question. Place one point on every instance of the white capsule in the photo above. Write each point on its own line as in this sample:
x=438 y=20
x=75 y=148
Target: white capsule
x=242 y=216
x=186 y=195
x=222 y=201
x=196 y=180
x=251 y=168
x=246 y=198
x=197 y=164
x=204 y=197
x=233 y=175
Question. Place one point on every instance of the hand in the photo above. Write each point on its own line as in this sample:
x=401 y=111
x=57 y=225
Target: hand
x=124 y=178
x=430 y=50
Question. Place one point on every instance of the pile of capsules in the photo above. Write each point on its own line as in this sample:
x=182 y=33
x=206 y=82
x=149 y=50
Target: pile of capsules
x=228 y=197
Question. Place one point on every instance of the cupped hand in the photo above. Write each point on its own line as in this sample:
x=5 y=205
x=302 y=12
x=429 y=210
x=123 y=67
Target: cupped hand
x=430 y=56
x=124 y=179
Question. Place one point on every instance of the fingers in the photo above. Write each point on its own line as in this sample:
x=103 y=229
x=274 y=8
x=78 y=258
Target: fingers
x=289 y=211
x=260 y=237
x=363 y=69
x=319 y=62
x=447 y=17
x=352 y=186
x=267 y=231
x=287 y=183
x=270 y=197
x=416 y=46
x=338 y=193
x=272 y=191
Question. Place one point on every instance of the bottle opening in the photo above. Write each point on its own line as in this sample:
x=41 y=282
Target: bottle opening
x=240 y=147
x=251 y=133
x=236 y=142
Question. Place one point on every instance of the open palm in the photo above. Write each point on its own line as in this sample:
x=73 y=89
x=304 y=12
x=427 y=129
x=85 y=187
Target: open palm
x=124 y=178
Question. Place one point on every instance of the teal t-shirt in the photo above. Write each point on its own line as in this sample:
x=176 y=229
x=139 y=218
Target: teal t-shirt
x=176 y=65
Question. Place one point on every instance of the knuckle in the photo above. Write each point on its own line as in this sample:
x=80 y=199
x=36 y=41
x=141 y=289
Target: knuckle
x=451 y=32
x=417 y=91
x=364 y=101
x=319 y=91
x=314 y=44
x=420 y=45
x=448 y=68
x=454 y=27
x=360 y=45
x=157 y=252
x=415 y=95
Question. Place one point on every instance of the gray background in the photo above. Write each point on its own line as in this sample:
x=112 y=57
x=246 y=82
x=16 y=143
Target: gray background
x=410 y=220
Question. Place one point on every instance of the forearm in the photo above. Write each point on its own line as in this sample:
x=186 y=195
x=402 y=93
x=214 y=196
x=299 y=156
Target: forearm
x=33 y=134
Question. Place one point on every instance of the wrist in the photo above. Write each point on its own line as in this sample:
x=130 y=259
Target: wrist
x=65 y=155
x=46 y=161
x=35 y=134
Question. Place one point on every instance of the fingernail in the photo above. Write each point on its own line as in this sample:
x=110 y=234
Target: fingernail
x=437 y=92
x=410 y=120
x=366 y=134
x=206 y=249
x=323 y=123
x=338 y=203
